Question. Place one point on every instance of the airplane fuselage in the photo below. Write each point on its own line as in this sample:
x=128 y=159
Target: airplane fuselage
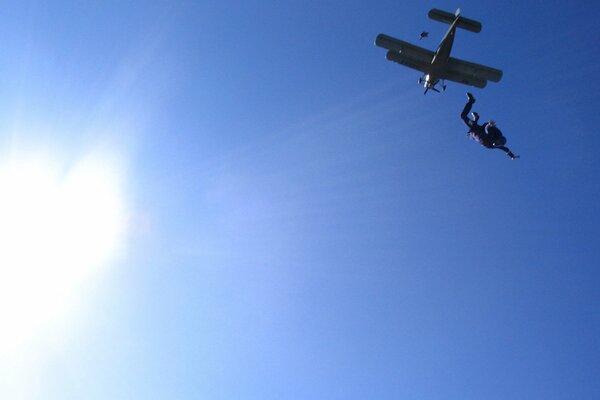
x=442 y=54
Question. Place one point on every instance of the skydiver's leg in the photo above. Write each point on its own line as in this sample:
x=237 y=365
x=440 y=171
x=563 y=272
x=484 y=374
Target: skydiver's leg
x=506 y=150
x=465 y=113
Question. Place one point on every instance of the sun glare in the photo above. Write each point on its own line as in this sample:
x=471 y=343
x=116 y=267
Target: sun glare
x=56 y=228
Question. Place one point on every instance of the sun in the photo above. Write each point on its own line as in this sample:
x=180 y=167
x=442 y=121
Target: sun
x=58 y=226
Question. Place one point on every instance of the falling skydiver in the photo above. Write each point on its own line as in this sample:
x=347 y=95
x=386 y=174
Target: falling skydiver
x=488 y=134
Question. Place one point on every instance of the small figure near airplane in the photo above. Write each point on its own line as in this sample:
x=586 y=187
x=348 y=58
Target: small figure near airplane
x=488 y=134
x=423 y=35
x=439 y=66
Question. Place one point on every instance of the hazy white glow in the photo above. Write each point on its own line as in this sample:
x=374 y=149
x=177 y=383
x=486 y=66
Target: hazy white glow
x=56 y=228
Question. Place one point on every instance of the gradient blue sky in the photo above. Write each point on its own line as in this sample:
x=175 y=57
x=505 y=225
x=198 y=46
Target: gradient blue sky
x=304 y=223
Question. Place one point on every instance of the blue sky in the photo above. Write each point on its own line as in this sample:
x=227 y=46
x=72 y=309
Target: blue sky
x=302 y=222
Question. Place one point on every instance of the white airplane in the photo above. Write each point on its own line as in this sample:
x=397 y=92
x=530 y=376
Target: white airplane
x=439 y=66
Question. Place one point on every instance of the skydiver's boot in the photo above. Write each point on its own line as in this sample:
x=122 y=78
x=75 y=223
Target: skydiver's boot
x=471 y=98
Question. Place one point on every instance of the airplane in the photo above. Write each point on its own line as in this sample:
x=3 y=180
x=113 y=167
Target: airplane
x=439 y=66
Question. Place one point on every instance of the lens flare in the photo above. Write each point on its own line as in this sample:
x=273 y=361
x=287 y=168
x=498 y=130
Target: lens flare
x=56 y=229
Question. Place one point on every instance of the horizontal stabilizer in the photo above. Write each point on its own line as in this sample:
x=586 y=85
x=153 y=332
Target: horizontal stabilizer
x=448 y=18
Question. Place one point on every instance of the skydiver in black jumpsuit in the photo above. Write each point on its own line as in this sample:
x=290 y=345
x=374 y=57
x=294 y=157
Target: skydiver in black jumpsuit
x=488 y=134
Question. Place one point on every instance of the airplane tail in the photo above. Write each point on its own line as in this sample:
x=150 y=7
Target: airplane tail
x=448 y=18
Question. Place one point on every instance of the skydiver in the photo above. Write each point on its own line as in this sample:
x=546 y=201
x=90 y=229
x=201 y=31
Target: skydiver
x=488 y=134
x=423 y=35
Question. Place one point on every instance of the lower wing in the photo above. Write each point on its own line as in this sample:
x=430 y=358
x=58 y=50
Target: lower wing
x=402 y=58
x=463 y=78
x=472 y=71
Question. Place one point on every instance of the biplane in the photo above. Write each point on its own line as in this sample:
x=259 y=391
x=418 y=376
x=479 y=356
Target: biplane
x=438 y=66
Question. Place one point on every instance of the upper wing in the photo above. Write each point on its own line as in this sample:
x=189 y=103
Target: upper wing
x=405 y=53
x=472 y=71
